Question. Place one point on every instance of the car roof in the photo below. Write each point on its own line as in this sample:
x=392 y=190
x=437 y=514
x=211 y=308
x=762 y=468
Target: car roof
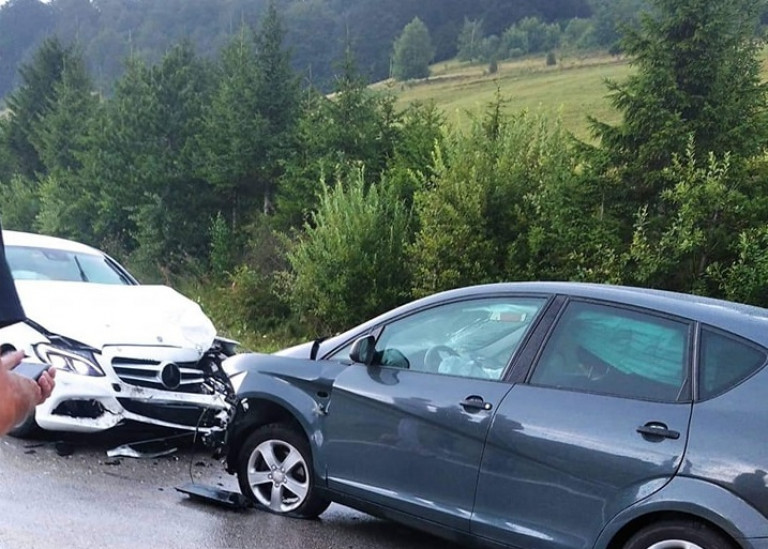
x=745 y=320
x=18 y=238
x=691 y=306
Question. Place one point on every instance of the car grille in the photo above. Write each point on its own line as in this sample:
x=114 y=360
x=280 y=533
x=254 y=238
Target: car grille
x=183 y=377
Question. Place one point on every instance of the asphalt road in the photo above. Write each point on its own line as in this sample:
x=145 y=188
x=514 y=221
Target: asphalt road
x=66 y=492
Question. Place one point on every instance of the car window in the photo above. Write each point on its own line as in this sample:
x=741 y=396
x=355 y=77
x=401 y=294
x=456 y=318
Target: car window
x=615 y=351
x=31 y=263
x=724 y=361
x=474 y=338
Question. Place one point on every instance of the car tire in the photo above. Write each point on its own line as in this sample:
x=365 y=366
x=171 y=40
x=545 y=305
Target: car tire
x=679 y=534
x=274 y=470
x=27 y=429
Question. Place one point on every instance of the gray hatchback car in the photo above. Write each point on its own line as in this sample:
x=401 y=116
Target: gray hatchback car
x=532 y=415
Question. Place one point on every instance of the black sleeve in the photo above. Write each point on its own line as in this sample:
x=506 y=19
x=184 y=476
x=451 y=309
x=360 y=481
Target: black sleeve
x=10 y=306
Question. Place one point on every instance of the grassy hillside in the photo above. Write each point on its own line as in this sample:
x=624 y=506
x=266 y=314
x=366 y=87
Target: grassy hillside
x=574 y=88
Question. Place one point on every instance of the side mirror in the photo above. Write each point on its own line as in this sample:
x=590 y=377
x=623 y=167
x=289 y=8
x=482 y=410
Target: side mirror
x=363 y=350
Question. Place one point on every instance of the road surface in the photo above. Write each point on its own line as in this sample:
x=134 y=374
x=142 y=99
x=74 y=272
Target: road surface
x=66 y=492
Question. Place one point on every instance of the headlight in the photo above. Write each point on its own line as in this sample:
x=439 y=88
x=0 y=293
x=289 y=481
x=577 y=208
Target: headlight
x=68 y=361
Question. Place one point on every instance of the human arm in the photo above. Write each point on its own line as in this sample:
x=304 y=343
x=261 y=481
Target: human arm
x=20 y=395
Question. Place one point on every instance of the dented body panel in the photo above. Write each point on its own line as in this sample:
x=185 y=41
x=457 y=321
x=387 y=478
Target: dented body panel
x=271 y=388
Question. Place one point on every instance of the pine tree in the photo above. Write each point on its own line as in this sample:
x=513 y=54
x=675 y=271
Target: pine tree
x=413 y=52
x=58 y=135
x=235 y=131
x=351 y=128
x=144 y=159
x=697 y=76
x=277 y=101
x=32 y=101
x=61 y=140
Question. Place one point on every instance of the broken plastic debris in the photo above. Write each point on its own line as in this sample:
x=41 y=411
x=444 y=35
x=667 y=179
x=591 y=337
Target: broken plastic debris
x=212 y=494
x=64 y=448
x=146 y=449
x=128 y=450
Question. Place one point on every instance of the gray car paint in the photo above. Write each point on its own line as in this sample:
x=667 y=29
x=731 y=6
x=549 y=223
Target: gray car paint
x=402 y=438
x=591 y=461
x=728 y=448
x=551 y=479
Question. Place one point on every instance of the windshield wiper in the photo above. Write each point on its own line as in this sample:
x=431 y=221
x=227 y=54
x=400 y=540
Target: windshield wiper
x=80 y=269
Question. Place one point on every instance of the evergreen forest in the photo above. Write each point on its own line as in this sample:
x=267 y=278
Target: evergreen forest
x=291 y=209
x=317 y=31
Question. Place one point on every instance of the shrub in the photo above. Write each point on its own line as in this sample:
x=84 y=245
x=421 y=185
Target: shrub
x=350 y=263
x=551 y=59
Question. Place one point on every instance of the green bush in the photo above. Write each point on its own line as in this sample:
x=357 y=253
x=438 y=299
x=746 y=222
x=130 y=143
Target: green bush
x=349 y=264
x=746 y=279
x=489 y=191
x=551 y=59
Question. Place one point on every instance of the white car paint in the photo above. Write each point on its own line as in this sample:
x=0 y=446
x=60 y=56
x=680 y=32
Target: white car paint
x=107 y=314
x=134 y=333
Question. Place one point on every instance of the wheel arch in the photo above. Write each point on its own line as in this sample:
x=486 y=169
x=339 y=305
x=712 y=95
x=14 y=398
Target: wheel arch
x=693 y=499
x=620 y=538
x=261 y=411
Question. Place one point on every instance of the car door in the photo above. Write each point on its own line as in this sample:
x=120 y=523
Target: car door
x=407 y=432
x=601 y=423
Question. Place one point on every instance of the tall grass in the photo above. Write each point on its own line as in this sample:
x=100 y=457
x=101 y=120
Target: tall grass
x=572 y=89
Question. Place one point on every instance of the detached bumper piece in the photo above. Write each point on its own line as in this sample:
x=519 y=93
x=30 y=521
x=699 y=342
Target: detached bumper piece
x=217 y=496
x=149 y=449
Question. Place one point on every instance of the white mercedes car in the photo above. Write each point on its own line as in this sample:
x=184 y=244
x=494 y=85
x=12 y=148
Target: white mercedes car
x=123 y=351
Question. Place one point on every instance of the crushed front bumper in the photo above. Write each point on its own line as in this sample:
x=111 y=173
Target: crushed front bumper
x=169 y=387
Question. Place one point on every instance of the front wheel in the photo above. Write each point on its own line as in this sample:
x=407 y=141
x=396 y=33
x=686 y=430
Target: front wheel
x=678 y=534
x=274 y=470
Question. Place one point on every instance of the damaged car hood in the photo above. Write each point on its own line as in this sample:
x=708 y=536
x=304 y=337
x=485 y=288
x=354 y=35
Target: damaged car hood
x=104 y=314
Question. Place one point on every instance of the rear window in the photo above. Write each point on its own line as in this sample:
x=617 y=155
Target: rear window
x=616 y=351
x=724 y=361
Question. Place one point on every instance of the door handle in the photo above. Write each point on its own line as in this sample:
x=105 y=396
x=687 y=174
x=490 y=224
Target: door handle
x=658 y=430
x=475 y=403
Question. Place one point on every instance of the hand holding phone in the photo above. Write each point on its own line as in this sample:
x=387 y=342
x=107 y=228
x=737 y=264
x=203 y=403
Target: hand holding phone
x=31 y=370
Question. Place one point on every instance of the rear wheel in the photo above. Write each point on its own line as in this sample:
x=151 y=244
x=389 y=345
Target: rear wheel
x=274 y=470
x=679 y=534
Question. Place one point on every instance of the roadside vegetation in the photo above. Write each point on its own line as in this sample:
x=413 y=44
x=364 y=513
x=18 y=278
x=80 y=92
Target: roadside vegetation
x=289 y=213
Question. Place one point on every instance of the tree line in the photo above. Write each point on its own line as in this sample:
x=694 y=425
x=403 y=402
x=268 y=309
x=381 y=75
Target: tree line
x=414 y=50
x=108 y=31
x=286 y=210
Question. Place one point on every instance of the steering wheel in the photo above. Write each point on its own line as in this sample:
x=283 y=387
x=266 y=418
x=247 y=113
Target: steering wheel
x=434 y=356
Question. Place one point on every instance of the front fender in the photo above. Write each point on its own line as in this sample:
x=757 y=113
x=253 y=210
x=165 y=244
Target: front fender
x=695 y=497
x=271 y=388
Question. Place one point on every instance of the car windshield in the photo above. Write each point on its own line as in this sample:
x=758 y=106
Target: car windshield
x=31 y=263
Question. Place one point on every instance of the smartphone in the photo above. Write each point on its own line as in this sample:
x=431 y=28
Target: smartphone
x=32 y=370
